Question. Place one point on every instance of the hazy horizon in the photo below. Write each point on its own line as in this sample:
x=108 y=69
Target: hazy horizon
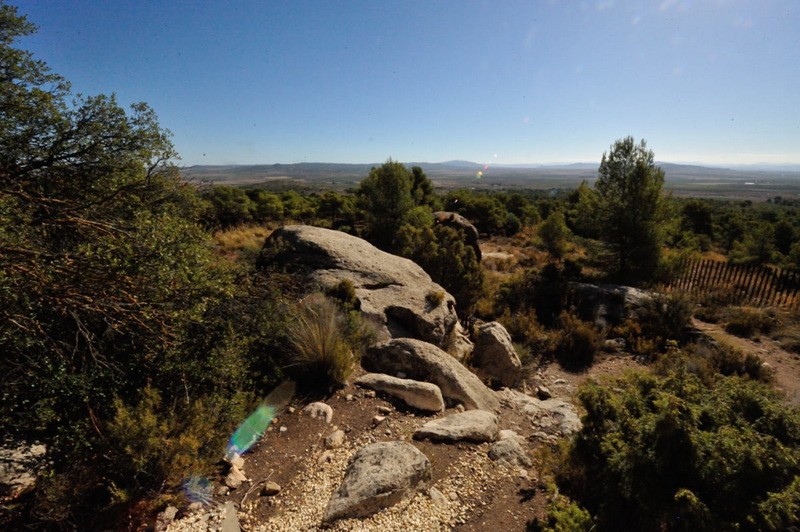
x=707 y=82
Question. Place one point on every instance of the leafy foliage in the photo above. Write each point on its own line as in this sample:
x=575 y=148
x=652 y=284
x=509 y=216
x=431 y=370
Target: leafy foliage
x=667 y=453
x=632 y=209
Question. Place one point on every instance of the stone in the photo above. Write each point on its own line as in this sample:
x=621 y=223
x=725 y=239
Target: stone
x=270 y=488
x=230 y=523
x=283 y=429
x=169 y=513
x=543 y=392
x=349 y=397
x=509 y=451
x=334 y=439
x=420 y=395
x=236 y=459
x=377 y=420
x=325 y=457
x=422 y=361
x=494 y=358
x=507 y=434
x=235 y=478
x=385 y=410
x=291 y=410
x=473 y=425
x=614 y=345
x=19 y=467
x=319 y=410
x=378 y=476
x=222 y=491
x=555 y=414
x=390 y=290
x=607 y=305
x=437 y=497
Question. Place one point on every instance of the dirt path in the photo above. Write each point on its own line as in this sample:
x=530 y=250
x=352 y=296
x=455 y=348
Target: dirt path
x=785 y=364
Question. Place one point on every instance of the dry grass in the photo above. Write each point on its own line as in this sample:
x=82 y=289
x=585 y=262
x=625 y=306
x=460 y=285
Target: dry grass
x=320 y=348
x=242 y=238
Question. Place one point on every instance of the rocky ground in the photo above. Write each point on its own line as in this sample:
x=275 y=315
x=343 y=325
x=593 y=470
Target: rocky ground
x=468 y=490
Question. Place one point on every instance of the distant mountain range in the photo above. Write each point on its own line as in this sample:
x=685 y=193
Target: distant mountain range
x=466 y=173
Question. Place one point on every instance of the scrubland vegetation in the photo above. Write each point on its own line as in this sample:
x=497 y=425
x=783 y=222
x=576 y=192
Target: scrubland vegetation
x=136 y=330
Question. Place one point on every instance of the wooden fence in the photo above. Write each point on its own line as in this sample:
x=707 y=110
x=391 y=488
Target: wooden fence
x=740 y=285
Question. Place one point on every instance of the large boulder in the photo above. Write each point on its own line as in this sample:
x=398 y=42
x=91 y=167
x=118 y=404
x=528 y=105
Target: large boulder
x=421 y=395
x=494 y=358
x=378 y=476
x=606 y=305
x=392 y=290
x=474 y=425
x=422 y=361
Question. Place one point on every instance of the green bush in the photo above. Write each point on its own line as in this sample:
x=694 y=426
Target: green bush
x=668 y=453
x=563 y=515
x=747 y=322
x=577 y=343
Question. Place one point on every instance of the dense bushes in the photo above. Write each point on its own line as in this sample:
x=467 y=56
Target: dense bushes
x=668 y=453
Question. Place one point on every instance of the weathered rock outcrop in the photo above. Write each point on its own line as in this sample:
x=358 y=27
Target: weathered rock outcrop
x=422 y=361
x=474 y=425
x=421 y=395
x=606 y=305
x=379 y=475
x=390 y=289
x=494 y=358
x=456 y=221
x=554 y=416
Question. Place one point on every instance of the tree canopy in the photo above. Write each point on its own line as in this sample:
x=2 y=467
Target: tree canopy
x=632 y=208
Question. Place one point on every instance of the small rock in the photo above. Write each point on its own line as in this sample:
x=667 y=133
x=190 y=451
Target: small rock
x=334 y=439
x=459 y=407
x=507 y=434
x=370 y=393
x=169 y=514
x=195 y=506
x=319 y=410
x=473 y=425
x=221 y=491
x=437 y=497
x=377 y=420
x=349 y=397
x=325 y=457
x=236 y=460
x=235 y=478
x=542 y=392
x=385 y=410
x=291 y=410
x=388 y=432
x=282 y=429
x=510 y=452
x=453 y=496
x=270 y=488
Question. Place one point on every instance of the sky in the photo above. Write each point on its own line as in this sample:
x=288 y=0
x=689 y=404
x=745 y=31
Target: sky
x=494 y=82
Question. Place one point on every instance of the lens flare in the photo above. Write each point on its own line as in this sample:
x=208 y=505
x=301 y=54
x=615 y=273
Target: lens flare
x=250 y=430
x=198 y=489
x=479 y=175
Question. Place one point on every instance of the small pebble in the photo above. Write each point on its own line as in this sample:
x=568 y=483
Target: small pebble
x=384 y=410
x=282 y=429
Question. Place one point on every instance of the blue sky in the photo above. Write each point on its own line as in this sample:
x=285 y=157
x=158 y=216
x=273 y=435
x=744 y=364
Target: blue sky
x=709 y=81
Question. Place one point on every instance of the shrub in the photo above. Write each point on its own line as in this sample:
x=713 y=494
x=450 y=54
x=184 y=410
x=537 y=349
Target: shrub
x=345 y=293
x=434 y=298
x=563 y=515
x=578 y=342
x=320 y=348
x=747 y=322
x=666 y=452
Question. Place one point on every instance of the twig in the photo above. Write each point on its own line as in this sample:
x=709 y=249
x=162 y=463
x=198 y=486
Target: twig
x=257 y=484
